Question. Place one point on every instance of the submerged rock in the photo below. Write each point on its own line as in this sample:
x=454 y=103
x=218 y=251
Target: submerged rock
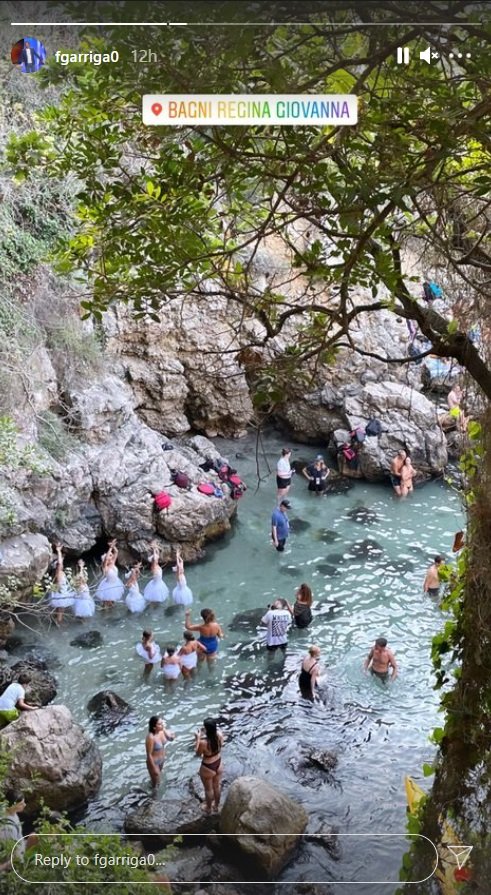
x=326 y=568
x=88 y=640
x=109 y=710
x=366 y=548
x=363 y=515
x=299 y=525
x=254 y=806
x=247 y=620
x=326 y=761
x=293 y=571
x=48 y=746
x=327 y=535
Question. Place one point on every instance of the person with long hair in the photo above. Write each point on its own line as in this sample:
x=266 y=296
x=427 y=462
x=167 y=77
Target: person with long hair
x=302 y=608
x=182 y=594
x=134 y=598
x=209 y=631
x=110 y=589
x=61 y=595
x=156 y=590
x=83 y=606
x=208 y=746
x=148 y=651
x=157 y=738
x=309 y=673
x=188 y=653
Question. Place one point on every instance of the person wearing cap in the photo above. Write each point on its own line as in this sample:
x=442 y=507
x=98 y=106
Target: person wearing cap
x=316 y=473
x=280 y=526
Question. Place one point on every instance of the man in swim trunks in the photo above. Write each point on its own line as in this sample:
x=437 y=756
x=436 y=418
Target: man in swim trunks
x=395 y=471
x=431 y=584
x=379 y=659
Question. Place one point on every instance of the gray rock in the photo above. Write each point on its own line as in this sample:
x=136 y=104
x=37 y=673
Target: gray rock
x=42 y=686
x=47 y=746
x=254 y=806
x=88 y=640
x=109 y=710
x=26 y=558
x=163 y=820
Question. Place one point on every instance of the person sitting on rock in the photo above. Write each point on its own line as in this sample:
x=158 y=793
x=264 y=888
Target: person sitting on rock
x=12 y=701
x=316 y=473
x=11 y=830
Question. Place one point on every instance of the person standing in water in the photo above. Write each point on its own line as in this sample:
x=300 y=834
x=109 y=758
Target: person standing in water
x=316 y=473
x=135 y=600
x=283 y=474
x=209 y=631
x=208 y=745
x=83 y=606
x=301 y=610
x=395 y=471
x=156 y=591
x=110 y=590
x=277 y=620
x=155 y=743
x=280 y=525
x=188 y=654
x=309 y=673
x=182 y=594
x=407 y=475
x=61 y=597
x=148 y=651
x=379 y=660
x=431 y=584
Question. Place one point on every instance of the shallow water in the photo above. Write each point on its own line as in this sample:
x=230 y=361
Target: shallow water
x=378 y=732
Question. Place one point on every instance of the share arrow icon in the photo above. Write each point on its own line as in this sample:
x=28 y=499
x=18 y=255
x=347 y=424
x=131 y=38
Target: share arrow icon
x=461 y=853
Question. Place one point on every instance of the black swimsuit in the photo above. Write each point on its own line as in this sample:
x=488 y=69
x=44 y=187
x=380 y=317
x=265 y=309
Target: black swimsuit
x=305 y=678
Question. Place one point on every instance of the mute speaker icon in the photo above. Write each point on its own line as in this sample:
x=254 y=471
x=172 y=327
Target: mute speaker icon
x=426 y=55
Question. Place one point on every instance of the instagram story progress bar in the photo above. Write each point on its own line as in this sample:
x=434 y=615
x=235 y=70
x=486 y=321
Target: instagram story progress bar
x=249 y=109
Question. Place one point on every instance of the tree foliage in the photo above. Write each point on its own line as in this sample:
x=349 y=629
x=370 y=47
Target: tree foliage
x=165 y=213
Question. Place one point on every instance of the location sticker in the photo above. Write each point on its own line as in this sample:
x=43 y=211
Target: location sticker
x=157 y=109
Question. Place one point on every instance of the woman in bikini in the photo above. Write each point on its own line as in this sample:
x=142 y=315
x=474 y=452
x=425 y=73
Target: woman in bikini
x=155 y=743
x=209 y=631
x=208 y=745
x=309 y=673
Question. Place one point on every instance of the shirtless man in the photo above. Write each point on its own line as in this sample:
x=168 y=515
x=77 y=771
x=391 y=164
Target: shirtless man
x=431 y=584
x=454 y=400
x=395 y=471
x=379 y=660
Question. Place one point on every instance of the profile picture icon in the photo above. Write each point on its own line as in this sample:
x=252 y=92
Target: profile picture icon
x=29 y=54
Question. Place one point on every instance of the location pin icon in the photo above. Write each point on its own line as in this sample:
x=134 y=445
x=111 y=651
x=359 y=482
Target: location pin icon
x=156 y=109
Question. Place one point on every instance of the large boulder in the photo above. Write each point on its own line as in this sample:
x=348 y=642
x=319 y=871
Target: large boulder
x=25 y=558
x=165 y=820
x=181 y=370
x=52 y=759
x=254 y=806
x=409 y=422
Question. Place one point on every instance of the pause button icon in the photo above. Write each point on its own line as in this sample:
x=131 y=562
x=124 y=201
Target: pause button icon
x=403 y=55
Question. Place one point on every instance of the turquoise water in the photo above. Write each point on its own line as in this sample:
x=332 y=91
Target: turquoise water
x=378 y=733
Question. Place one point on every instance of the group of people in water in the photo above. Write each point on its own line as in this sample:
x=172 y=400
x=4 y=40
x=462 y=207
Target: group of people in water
x=76 y=596
x=200 y=640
